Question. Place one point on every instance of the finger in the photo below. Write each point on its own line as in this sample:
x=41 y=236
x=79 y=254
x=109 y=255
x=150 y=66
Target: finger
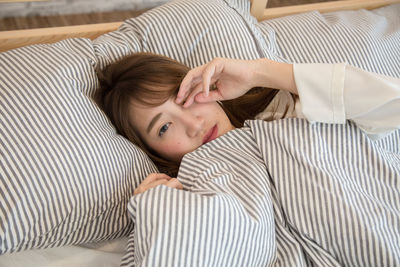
x=207 y=76
x=153 y=177
x=192 y=78
x=190 y=99
x=213 y=96
x=174 y=183
x=158 y=182
x=138 y=190
x=142 y=188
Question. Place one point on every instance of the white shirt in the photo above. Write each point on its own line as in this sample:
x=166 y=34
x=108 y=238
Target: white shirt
x=334 y=93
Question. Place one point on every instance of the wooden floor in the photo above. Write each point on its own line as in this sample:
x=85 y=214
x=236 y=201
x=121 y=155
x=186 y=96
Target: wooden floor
x=16 y=23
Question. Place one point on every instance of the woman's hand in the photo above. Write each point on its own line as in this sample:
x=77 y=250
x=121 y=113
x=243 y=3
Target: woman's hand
x=231 y=78
x=155 y=179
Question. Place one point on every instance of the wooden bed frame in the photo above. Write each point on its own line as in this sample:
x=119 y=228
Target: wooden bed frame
x=18 y=38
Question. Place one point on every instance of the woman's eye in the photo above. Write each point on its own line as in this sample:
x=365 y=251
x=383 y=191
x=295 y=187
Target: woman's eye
x=163 y=129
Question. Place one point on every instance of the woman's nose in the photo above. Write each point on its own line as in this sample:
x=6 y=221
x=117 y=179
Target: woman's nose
x=194 y=125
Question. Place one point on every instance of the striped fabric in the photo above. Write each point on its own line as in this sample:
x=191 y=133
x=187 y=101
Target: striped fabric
x=227 y=221
x=338 y=190
x=369 y=40
x=190 y=31
x=65 y=176
x=366 y=39
x=282 y=193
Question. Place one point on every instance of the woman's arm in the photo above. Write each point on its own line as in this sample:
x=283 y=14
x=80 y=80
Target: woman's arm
x=233 y=78
x=329 y=93
x=334 y=93
x=272 y=74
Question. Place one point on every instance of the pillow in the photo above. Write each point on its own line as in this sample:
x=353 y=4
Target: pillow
x=189 y=31
x=366 y=39
x=65 y=175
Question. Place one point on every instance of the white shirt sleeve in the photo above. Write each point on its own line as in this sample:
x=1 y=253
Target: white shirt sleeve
x=334 y=93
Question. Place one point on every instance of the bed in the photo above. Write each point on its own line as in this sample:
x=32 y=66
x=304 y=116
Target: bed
x=67 y=178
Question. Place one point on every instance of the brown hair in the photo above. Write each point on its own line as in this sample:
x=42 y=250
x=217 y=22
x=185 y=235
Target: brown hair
x=141 y=76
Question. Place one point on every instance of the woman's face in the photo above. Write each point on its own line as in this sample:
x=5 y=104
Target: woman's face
x=173 y=131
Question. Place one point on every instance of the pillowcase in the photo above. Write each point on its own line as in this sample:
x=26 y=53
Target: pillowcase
x=65 y=175
x=367 y=39
x=189 y=31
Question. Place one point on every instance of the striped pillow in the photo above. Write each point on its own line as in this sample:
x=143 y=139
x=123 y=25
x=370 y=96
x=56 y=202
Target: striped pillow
x=65 y=175
x=189 y=31
x=365 y=39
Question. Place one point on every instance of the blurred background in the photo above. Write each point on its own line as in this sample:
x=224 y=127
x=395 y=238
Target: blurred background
x=25 y=14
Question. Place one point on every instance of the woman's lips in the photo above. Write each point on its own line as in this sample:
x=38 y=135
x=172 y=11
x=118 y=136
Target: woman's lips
x=211 y=135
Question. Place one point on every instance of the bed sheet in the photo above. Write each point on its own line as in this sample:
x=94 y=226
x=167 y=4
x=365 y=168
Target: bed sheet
x=107 y=253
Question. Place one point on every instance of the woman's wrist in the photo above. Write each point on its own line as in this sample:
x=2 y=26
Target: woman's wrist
x=273 y=74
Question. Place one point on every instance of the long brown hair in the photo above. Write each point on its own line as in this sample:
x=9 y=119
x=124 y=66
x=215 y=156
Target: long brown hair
x=152 y=79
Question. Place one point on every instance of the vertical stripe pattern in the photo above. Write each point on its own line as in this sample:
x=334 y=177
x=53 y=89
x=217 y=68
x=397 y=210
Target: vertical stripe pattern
x=366 y=39
x=369 y=40
x=225 y=220
x=189 y=31
x=339 y=190
x=65 y=176
x=282 y=193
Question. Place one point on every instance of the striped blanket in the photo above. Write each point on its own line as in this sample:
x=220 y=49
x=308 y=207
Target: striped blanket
x=282 y=193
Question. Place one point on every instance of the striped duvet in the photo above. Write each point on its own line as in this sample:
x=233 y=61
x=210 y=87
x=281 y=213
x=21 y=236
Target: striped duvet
x=282 y=193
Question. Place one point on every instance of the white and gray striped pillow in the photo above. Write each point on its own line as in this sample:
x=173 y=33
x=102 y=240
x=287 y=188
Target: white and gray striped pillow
x=189 y=31
x=65 y=175
x=369 y=40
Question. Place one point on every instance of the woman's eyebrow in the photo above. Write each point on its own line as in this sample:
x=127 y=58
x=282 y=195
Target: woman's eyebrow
x=152 y=122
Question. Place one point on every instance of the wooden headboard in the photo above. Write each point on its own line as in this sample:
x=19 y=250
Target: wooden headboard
x=18 y=38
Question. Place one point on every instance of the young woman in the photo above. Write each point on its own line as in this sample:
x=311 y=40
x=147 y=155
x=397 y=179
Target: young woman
x=169 y=110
